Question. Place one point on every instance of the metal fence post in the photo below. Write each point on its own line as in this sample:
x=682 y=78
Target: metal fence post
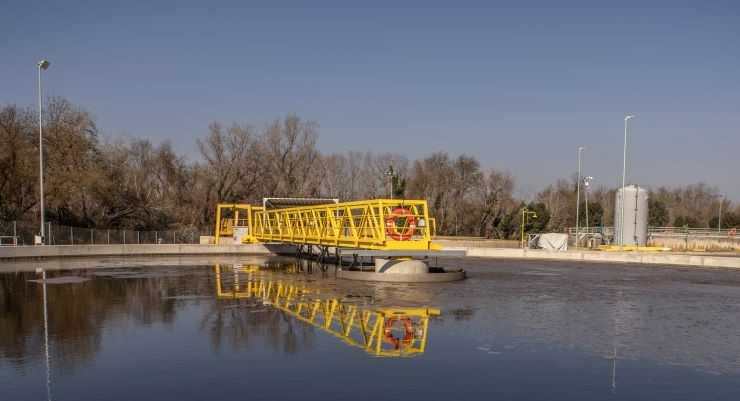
x=108 y=237
x=92 y=237
x=137 y=237
x=156 y=238
x=687 y=237
x=174 y=237
x=124 y=237
x=71 y=236
x=15 y=236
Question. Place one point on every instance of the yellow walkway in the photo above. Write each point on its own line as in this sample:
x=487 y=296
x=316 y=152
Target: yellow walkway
x=380 y=224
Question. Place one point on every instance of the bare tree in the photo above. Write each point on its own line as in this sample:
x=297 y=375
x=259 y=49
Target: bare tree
x=234 y=165
x=136 y=184
x=497 y=202
x=691 y=201
x=18 y=162
x=559 y=200
x=430 y=179
x=149 y=187
x=73 y=164
x=466 y=179
x=338 y=177
x=292 y=158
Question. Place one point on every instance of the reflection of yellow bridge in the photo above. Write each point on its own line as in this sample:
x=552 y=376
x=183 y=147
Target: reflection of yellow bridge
x=380 y=332
x=381 y=224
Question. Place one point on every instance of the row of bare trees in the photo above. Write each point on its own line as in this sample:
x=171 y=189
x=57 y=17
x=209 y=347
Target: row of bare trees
x=131 y=183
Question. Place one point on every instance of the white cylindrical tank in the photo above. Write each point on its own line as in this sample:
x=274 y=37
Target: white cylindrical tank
x=635 y=216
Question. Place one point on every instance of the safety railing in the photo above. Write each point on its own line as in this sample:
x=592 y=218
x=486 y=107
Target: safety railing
x=608 y=232
x=371 y=224
x=693 y=232
x=235 y=220
x=675 y=238
x=589 y=235
x=531 y=241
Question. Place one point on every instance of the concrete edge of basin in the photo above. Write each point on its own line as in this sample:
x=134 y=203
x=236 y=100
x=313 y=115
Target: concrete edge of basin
x=645 y=258
x=65 y=251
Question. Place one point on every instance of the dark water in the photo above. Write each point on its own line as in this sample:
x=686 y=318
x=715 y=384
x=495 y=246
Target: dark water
x=274 y=329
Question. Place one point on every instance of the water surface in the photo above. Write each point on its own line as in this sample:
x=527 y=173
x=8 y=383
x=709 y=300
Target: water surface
x=276 y=329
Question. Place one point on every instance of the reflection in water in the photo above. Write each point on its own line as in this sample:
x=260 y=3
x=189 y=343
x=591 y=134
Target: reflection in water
x=614 y=371
x=63 y=323
x=379 y=331
x=46 y=337
x=183 y=331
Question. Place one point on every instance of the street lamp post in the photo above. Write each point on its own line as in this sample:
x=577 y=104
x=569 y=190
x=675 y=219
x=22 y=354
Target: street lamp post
x=526 y=213
x=390 y=175
x=578 y=195
x=43 y=64
x=719 y=218
x=624 y=175
x=586 y=180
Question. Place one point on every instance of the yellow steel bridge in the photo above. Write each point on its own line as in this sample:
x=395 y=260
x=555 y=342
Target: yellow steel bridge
x=378 y=331
x=379 y=224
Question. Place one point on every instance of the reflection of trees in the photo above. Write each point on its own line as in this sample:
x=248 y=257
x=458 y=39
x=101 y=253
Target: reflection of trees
x=79 y=312
x=463 y=314
x=115 y=299
x=238 y=321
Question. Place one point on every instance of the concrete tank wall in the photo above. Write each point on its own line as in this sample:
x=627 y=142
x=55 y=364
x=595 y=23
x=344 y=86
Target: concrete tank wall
x=635 y=216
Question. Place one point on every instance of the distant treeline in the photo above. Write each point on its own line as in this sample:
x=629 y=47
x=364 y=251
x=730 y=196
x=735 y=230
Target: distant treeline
x=130 y=183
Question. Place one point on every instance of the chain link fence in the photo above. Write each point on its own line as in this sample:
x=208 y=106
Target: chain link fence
x=23 y=233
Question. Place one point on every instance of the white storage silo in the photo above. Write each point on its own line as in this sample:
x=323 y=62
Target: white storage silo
x=635 y=216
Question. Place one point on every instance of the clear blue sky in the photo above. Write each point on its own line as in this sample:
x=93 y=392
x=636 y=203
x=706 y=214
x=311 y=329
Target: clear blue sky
x=518 y=84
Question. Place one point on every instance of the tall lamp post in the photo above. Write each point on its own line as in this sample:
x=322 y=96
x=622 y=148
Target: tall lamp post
x=586 y=180
x=719 y=218
x=526 y=213
x=390 y=176
x=578 y=195
x=43 y=64
x=624 y=175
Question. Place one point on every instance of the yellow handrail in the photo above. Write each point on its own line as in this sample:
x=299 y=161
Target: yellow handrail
x=369 y=224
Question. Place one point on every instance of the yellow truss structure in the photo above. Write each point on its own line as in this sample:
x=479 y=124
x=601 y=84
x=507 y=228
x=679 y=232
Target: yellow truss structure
x=390 y=332
x=230 y=215
x=383 y=224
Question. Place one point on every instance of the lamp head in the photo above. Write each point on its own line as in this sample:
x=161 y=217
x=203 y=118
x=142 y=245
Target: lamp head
x=43 y=64
x=628 y=117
